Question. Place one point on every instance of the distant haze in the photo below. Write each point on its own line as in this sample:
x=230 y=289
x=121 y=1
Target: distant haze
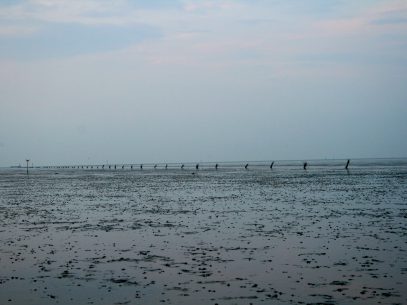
x=130 y=81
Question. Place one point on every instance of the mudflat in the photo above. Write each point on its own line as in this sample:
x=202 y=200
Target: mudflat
x=232 y=236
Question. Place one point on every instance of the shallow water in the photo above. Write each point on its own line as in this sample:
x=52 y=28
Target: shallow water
x=232 y=236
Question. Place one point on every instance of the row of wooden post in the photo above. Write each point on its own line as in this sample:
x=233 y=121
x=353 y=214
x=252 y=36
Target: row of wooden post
x=304 y=165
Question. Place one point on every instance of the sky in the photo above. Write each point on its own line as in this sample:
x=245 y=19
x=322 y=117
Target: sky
x=127 y=81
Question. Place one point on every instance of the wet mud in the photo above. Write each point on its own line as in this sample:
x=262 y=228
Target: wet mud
x=322 y=236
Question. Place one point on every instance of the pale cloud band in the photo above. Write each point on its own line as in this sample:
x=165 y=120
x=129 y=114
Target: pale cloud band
x=221 y=25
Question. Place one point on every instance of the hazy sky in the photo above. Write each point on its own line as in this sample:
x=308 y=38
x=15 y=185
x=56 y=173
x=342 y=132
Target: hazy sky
x=85 y=81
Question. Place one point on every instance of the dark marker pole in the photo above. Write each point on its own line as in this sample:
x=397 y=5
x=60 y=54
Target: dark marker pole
x=271 y=165
x=347 y=164
x=27 y=160
x=305 y=165
x=197 y=166
x=246 y=166
x=216 y=166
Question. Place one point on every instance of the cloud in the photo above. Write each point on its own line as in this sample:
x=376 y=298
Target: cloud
x=17 y=31
x=202 y=6
x=200 y=33
x=85 y=12
x=60 y=40
x=391 y=17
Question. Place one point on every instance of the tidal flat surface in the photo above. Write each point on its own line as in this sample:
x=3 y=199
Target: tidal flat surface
x=232 y=236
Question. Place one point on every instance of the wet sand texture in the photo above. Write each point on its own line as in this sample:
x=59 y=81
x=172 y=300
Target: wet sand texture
x=321 y=236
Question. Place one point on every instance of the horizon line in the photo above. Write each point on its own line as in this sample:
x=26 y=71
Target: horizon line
x=162 y=163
